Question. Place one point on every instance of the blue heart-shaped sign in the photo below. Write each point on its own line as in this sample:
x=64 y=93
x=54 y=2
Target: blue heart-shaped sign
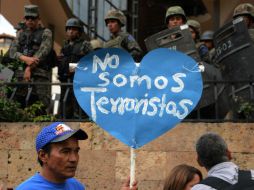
x=137 y=103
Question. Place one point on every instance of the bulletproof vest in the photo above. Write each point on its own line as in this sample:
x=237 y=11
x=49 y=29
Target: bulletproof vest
x=73 y=51
x=30 y=41
x=234 y=54
x=178 y=38
x=245 y=182
x=116 y=42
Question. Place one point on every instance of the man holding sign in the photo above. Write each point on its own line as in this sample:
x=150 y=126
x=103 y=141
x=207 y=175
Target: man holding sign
x=58 y=154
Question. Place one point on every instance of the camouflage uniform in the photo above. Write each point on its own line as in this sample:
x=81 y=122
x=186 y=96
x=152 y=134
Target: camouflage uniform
x=201 y=48
x=72 y=52
x=35 y=43
x=123 y=39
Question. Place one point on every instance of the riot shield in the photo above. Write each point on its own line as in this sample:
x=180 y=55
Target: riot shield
x=178 y=38
x=234 y=50
x=213 y=103
x=235 y=56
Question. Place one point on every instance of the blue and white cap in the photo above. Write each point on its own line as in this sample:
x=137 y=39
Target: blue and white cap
x=57 y=132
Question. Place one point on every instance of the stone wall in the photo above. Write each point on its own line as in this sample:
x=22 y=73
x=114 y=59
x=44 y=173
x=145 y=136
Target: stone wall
x=104 y=161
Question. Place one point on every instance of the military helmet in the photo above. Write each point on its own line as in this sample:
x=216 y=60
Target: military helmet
x=207 y=35
x=175 y=10
x=116 y=15
x=195 y=25
x=73 y=22
x=31 y=10
x=244 y=9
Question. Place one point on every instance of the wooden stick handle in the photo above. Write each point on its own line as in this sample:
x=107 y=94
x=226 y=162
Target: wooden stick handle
x=133 y=165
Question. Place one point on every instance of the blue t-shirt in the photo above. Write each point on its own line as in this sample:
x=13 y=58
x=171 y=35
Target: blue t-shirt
x=37 y=182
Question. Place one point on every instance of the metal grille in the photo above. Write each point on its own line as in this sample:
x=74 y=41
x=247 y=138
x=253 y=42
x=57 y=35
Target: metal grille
x=240 y=101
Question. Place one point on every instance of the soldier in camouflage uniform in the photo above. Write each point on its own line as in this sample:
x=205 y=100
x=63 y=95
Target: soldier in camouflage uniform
x=246 y=10
x=175 y=16
x=195 y=29
x=33 y=47
x=74 y=48
x=115 y=20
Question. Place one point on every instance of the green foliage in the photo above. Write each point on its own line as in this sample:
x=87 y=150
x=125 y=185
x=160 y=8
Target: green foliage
x=36 y=112
x=247 y=109
x=11 y=111
x=13 y=64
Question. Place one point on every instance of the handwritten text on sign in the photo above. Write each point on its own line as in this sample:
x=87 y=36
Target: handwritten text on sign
x=110 y=86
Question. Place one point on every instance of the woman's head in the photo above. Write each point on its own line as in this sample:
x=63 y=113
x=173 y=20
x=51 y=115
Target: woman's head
x=182 y=177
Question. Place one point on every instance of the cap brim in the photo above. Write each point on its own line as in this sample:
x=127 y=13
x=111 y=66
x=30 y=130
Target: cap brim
x=79 y=134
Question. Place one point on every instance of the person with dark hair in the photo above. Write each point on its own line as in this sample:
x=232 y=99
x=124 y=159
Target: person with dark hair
x=57 y=147
x=213 y=154
x=182 y=177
